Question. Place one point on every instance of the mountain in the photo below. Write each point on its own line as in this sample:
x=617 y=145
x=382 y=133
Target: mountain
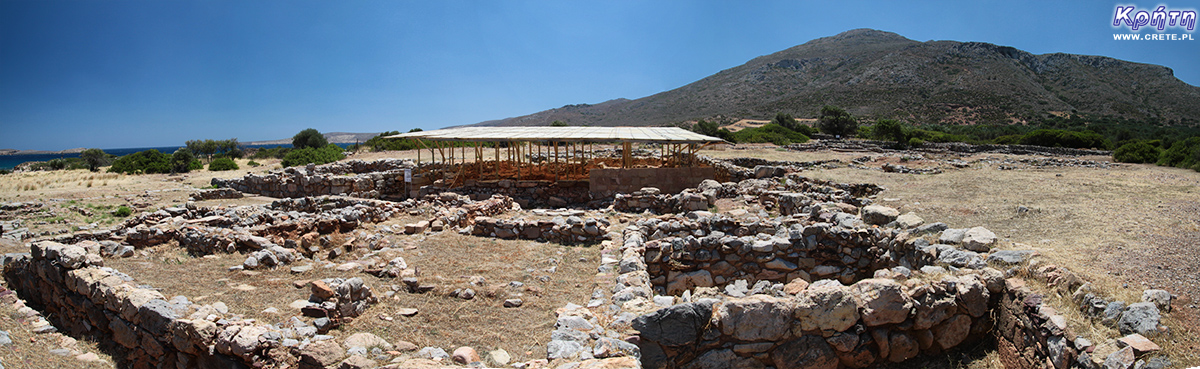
x=873 y=73
x=332 y=137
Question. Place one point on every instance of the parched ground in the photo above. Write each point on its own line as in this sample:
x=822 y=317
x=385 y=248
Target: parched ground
x=1126 y=228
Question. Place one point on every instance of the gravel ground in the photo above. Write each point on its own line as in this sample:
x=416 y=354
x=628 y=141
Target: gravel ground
x=1171 y=262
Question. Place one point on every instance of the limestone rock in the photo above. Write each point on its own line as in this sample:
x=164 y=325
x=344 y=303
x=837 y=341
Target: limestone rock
x=465 y=355
x=675 y=326
x=952 y=332
x=879 y=214
x=979 y=239
x=825 y=307
x=321 y=353
x=909 y=220
x=754 y=318
x=499 y=357
x=1141 y=318
x=1160 y=298
x=368 y=341
x=357 y=362
x=952 y=236
x=883 y=301
x=687 y=281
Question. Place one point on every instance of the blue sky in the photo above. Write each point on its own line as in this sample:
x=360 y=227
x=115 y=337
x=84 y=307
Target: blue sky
x=120 y=73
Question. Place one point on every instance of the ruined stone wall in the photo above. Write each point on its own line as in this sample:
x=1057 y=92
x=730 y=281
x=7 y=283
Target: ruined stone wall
x=848 y=320
x=606 y=182
x=144 y=329
x=561 y=230
x=69 y=285
x=529 y=194
x=355 y=178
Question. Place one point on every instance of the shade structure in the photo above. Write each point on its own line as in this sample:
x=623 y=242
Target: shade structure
x=563 y=134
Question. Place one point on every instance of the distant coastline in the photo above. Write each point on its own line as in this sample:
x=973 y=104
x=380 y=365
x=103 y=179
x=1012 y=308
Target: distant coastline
x=7 y=152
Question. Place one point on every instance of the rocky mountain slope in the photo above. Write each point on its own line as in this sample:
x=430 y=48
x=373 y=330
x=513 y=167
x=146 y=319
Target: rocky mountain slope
x=881 y=74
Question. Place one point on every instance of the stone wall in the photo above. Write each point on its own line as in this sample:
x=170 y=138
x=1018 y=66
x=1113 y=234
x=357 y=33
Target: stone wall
x=351 y=178
x=567 y=230
x=948 y=147
x=606 y=182
x=216 y=193
x=144 y=329
x=528 y=194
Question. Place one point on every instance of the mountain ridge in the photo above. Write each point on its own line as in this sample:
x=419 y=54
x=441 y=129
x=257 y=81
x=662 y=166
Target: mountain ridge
x=878 y=74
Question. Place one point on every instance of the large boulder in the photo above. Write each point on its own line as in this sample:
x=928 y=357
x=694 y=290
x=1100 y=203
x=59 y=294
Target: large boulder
x=952 y=332
x=883 y=301
x=1141 y=318
x=825 y=306
x=754 y=318
x=675 y=326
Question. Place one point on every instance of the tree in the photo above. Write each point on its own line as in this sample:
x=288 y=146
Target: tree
x=181 y=160
x=558 y=123
x=836 y=121
x=706 y=128
x=785 y=120
x=889 y=130
x=94 y=158
x=309 y=138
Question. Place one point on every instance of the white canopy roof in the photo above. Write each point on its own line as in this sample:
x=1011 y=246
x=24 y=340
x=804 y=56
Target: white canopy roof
x=543 y=133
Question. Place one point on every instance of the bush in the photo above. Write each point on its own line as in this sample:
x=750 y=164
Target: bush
x=271 y=153
x=1061 y=138
x=309 y=138
x=123 y=211
x=889 y=130
x=1136 y=152
x=835 y=121
x=253 y=164
x=328 y=154
x=1182 y=154
x=221 y=164
x=770 y=133
x=149 y=161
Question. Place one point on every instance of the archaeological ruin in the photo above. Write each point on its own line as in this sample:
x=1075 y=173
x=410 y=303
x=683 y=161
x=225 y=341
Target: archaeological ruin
x=822 y=276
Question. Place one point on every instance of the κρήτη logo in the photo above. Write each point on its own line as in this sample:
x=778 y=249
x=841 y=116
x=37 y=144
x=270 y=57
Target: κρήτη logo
x=1160 y=18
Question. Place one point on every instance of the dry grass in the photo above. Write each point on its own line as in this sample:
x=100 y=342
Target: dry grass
x=30 y=350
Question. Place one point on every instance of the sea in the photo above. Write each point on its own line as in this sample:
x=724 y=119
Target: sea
x=8 y=162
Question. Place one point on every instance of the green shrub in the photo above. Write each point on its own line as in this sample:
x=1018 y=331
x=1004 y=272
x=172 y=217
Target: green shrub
x=253 y=164
x=1136 y=152
x=149 y=161
x=272 y=153
x=770 y=133
x=328 y=154
x=220 y=164
x=1061 y=138
x=123 y=211
x=1182 y=154
x=915 y=142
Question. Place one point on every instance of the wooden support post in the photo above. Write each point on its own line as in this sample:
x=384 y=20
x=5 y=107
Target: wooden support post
x=626 y=160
